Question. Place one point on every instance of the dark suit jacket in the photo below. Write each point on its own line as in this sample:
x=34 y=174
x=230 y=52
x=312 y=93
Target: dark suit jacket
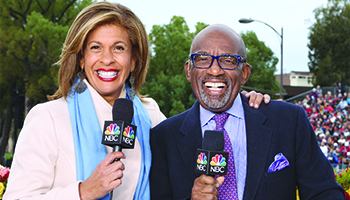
x=277 y=127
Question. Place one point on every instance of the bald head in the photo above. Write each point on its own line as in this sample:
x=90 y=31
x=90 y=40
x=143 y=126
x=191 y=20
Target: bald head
x=220 y=31
x=216 y=87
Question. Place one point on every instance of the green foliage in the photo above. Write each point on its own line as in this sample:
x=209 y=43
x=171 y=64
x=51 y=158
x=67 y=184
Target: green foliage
x=31 y=39
x=47 y=37
x=166 y=81
x=8 y=156
x=329 y=46
x=262 y=62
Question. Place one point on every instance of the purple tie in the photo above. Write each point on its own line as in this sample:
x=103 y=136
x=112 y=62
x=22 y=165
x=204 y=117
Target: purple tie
x=228 y=189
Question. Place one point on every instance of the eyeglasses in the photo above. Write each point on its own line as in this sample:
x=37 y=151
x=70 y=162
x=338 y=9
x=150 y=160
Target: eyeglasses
x=225 y=61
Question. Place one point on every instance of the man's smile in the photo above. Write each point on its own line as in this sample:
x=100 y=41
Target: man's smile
x=214 y=85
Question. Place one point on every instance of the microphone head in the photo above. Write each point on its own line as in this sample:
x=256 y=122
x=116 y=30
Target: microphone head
x=213 y=140
x=123 y=110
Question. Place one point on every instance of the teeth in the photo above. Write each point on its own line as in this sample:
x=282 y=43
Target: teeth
x=107 y=74
x=214 y=86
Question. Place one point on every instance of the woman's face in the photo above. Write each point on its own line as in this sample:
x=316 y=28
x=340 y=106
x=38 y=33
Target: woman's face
x=107 y=60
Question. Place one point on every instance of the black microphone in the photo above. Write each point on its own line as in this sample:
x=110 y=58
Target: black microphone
x=120 y=133
x=211 y=159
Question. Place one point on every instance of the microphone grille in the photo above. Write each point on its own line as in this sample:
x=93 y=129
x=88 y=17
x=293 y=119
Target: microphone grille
x=123 y=110
x=213 y=140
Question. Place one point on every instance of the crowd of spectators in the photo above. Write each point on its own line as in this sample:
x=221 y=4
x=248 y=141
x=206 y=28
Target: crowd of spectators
x=329 y=116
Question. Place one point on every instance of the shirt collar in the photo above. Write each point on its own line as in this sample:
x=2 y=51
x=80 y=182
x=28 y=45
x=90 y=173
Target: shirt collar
x=235 y=110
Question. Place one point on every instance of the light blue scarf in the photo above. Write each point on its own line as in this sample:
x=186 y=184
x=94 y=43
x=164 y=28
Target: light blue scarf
x=89 y=151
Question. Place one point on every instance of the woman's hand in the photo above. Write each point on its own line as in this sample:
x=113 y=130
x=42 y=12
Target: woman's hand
x=104 y=178
x=256 y=98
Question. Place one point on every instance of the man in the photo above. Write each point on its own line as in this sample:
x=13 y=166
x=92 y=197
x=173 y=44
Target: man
x=261 y=138
x=342 y=105
x=314 y=96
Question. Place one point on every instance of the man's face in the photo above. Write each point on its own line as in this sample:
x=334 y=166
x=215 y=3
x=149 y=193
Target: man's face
x=216 y=88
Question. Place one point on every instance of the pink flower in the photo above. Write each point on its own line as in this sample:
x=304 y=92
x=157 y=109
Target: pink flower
x=4 y=174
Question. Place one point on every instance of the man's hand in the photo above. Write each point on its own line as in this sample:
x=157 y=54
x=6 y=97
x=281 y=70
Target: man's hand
x=104 y=178
x=206 y=187
x=256 y=98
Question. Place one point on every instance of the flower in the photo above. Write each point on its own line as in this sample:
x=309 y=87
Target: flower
x=343 y=179
x=4 y=174
x=2 y=189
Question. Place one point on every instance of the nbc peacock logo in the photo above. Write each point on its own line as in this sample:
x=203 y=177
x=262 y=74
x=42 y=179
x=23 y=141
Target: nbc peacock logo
x=112 y=129
x=218 y=160
x=202 y=159
x=128 y=132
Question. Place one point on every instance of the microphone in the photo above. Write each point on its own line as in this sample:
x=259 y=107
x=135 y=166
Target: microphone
x=211 y=159
x=120 y=133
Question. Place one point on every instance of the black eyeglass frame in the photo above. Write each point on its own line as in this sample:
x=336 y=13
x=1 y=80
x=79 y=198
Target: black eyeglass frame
x=239 y=60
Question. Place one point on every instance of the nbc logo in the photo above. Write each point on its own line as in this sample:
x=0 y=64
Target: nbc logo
x=112 y=129
x=218 y=160
x=202 y=159
x=128 y=132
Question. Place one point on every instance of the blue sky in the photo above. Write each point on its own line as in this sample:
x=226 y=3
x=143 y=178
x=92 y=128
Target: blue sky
x=294 y=16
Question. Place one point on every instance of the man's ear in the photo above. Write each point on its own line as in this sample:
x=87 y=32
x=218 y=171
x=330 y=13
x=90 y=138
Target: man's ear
x=245 y=73
x=188 y=70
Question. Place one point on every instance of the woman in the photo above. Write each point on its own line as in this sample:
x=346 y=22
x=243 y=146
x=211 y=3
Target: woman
x=108 y=45
x=59 y=154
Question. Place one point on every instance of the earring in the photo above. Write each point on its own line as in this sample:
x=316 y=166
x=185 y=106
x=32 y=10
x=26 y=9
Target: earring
x=81 y=86
x=132 y=91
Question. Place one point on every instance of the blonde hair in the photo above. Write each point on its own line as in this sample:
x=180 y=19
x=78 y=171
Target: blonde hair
x=90 y=18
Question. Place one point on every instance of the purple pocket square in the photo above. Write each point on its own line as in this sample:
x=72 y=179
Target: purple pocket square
x=280 y=163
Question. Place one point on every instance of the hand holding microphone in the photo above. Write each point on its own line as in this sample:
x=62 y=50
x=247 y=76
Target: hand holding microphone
x=211 y=161
x=104 y=178
x=119 y=134
x=206 y=187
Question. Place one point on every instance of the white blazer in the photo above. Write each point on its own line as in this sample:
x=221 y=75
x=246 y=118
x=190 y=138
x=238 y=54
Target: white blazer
x=44 y=161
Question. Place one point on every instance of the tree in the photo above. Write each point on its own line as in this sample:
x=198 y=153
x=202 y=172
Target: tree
x=31 y=36
x=166 y=81
x=329 y=45
x=263 y=64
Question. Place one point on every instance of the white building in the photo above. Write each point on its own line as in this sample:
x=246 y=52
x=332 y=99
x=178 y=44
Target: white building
x=296 y=79
x=295 y=83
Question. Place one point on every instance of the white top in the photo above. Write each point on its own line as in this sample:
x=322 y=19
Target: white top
x=324 y=150
x=44 y=161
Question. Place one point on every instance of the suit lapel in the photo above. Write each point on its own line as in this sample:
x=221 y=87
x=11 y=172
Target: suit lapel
x=191 y=130
x=258 y=144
